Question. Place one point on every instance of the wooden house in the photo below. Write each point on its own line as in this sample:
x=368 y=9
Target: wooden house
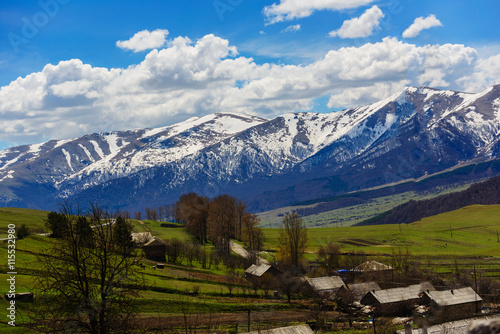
x=324 y=286
x=155 y=250
x=453 y=304
x=398 y=301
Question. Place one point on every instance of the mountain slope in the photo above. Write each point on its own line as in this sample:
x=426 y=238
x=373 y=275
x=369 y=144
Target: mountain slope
x=484 y=193
x=268 y=163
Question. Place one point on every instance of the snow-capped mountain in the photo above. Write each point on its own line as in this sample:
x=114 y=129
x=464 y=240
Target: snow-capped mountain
x=265 y=162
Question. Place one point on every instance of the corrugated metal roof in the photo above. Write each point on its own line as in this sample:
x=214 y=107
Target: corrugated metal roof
x=454 y=297
x=401 y=294
x=325 y=283
x=300 y=329
x=258 y=270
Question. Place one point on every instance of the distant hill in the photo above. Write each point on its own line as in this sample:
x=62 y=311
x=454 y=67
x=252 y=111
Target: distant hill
x=485 y=193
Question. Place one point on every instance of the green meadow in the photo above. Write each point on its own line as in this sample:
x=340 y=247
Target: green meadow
x=470 y=231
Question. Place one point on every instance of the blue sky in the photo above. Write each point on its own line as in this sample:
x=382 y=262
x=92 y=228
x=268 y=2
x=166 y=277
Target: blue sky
x=63 y=74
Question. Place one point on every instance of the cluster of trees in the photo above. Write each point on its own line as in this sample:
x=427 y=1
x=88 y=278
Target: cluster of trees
x=218 y=220
x=88 y=274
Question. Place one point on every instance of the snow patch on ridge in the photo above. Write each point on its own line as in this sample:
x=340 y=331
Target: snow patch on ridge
x=68 y=159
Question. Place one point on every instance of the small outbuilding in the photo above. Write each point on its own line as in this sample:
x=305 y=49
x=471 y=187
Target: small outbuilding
x=261 y=273
x=453 y=304
x=300 y=329
x=155 y=250
x=398 y=301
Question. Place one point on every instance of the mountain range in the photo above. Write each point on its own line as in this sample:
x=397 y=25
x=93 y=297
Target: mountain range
x=266 y=162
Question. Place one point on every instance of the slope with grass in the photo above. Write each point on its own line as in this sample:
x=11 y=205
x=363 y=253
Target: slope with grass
x=470 y=231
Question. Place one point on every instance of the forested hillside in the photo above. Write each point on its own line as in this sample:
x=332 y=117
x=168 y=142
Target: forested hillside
x=486 y=193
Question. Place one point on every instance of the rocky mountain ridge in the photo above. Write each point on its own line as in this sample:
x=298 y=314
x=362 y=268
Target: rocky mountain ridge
x=267 y=163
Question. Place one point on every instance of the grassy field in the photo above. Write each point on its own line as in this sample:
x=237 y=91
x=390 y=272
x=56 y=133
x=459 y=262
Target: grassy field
x=34 y=219
x=470 y=231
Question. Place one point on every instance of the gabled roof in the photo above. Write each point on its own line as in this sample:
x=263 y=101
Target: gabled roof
x=401 y=294
x=361 y=289
x=258 y=270
x=454 y=297
x=300 y=329
x=372 y=266
x=325 y=283
x=155 y=242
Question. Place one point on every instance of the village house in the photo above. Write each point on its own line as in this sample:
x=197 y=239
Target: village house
x=372 y=271
x=155 y=250
x=323 y=286
x=453 y=304
x=397 y=301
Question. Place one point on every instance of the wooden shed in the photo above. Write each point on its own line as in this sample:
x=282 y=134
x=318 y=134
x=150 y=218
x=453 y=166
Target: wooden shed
x=261 y=273
x=452 y=304
x=398 y=301
x=299 y=329
x=155 y=250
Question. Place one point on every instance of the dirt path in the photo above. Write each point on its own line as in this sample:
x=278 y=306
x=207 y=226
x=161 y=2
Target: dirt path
x=238 y=249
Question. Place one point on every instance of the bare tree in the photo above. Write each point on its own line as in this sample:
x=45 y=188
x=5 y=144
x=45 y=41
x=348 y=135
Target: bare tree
x=292 y=240
x=88 y=279
x=329 y=257
x=138 y=215
x=193 y=210
x=222 y=219
x=252 y=235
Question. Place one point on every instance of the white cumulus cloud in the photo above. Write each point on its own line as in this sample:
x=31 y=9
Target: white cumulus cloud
x=291 y=9
x=420 y=24
x=362 y=26
x=145 y=40
x=195 y=78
